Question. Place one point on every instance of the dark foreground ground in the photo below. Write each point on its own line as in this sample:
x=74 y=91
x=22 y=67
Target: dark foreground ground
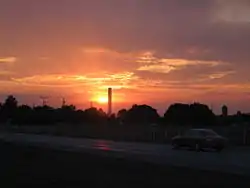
x=39 y=167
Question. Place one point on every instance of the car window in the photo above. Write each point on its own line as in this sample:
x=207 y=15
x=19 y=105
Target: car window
x=208 y=133
x=192 y=133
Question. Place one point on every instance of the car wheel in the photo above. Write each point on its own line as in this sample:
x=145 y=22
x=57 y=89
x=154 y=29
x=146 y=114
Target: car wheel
x=175 y=146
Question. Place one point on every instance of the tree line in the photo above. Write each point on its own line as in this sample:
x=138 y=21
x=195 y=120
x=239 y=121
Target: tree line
x=176 y=114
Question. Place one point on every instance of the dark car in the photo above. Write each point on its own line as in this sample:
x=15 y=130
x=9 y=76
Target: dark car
x=199 y=139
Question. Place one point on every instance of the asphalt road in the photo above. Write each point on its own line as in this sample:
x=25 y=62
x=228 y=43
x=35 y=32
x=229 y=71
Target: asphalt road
x=233 y=160
x=32 y=166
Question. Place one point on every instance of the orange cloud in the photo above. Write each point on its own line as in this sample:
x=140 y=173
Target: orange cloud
x=94 y=80
x=6 y=72
x=148 y=62
x=147 y=58
x=220 y=74
x=156 y=68
x=8 y=59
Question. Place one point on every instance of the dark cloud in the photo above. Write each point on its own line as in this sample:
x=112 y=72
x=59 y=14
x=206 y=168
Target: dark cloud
x=163 y=25
x=207 y=30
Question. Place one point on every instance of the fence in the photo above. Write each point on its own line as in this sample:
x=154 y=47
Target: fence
x=239 y=135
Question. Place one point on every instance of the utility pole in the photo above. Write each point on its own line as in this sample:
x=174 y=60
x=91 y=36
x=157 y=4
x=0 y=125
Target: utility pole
x=44 y=100
x=63 y=102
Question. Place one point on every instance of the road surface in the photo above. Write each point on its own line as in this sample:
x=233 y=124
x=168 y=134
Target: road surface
x=232 y=160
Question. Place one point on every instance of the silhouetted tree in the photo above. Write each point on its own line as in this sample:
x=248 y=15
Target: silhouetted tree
x=142 y=114
x=112 y=120
x=23 y=115
x=66 y=114
x=9 y=108
x=180 y=114
x=177 y=114
x=102 y=113
x=10 y=103
x=201 y=114
x=194 y=114
x=44 y=115
x=68 y=108
x=79 y=116
x=121 y=115
x=93 y=115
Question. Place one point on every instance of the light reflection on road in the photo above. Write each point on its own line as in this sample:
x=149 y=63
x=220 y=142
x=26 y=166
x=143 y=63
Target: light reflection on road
x=102 y=145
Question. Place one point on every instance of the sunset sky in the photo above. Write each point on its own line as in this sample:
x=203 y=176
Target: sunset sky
x=150 y=51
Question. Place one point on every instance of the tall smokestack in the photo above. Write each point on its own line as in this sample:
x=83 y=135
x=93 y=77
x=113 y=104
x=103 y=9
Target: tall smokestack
x=109 y=101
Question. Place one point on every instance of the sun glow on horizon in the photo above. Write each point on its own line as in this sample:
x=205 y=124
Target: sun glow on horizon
x=102 y=99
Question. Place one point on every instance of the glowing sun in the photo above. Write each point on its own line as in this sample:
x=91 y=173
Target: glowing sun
x=102 y=100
